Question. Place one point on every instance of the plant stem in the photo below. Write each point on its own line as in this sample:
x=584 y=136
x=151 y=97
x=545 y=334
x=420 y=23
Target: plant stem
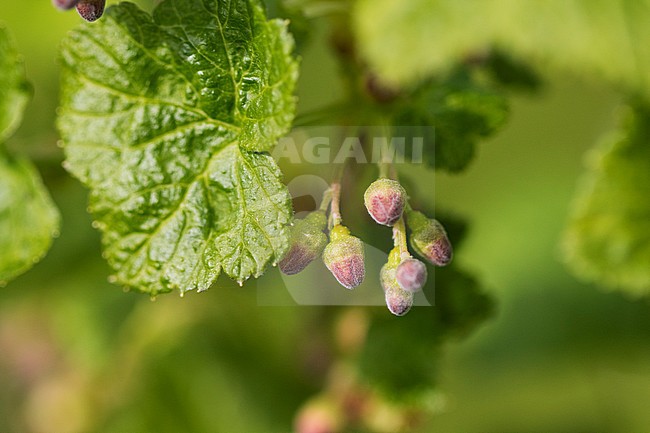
x=327 y=199
x=386 y=167
x=335 y=217
x=399 y=239
x=335 y=214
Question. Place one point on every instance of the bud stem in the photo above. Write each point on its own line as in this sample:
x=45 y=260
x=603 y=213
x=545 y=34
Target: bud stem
x=399 y=239
x=385 y=164
x=327 y=199
x=335 y=218
x=335 y=215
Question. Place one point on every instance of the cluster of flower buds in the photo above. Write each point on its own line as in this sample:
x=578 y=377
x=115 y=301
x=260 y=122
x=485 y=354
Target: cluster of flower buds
x=343 y=255
x=403 y=275
x=387 y=203
x=90 y=10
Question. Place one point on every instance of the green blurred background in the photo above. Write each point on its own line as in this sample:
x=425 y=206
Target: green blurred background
x=79 y=355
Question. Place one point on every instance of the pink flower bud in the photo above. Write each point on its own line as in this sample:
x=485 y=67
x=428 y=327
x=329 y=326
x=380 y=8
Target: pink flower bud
x=411 y=275
x=91 y=10
x=385 y=200
x=344 y=257
x=307 y=242
x=318 y=416
x=429 y=239
x=65 y=4
x=398 y=301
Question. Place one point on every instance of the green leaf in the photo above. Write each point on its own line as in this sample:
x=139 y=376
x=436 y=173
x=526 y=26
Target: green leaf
x=460 y=111
x=511 y=73
x=14 y=89
x=608 y=238
x=28 y=218
x=405 y=41
x=168 y=119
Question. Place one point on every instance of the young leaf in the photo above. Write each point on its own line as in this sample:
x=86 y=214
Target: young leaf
x=169 y=125
x=608 y=238
x=407 y=41
x=28 y=219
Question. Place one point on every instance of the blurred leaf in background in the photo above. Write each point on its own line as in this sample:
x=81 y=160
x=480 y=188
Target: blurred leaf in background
x=28 y=218
x=608 y=238
x=406 y=41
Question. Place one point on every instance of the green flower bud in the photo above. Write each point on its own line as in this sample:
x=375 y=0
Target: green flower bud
x=398 y=300
x=385 y=200
x=91 y=10
x=344 y=257
x=307 y=242
x=429 y=239
x=411 y=275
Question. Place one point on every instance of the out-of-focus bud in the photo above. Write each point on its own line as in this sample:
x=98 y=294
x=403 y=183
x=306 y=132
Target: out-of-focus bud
x=385 y=200
x=65 y=4
x=411 y=275
x=429 y=239
x=344 y=257
x=91 y=10
x=398 y=300
x=319 y=416
x=307 y=242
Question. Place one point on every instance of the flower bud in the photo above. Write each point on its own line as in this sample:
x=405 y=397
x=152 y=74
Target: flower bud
x=429 y=239
x=91 y=10
x=398 y=301
x=306 y=241
x=65 y=4
x=319 y=416
x=411 y=275
x=385 y=200
x=344 y=257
